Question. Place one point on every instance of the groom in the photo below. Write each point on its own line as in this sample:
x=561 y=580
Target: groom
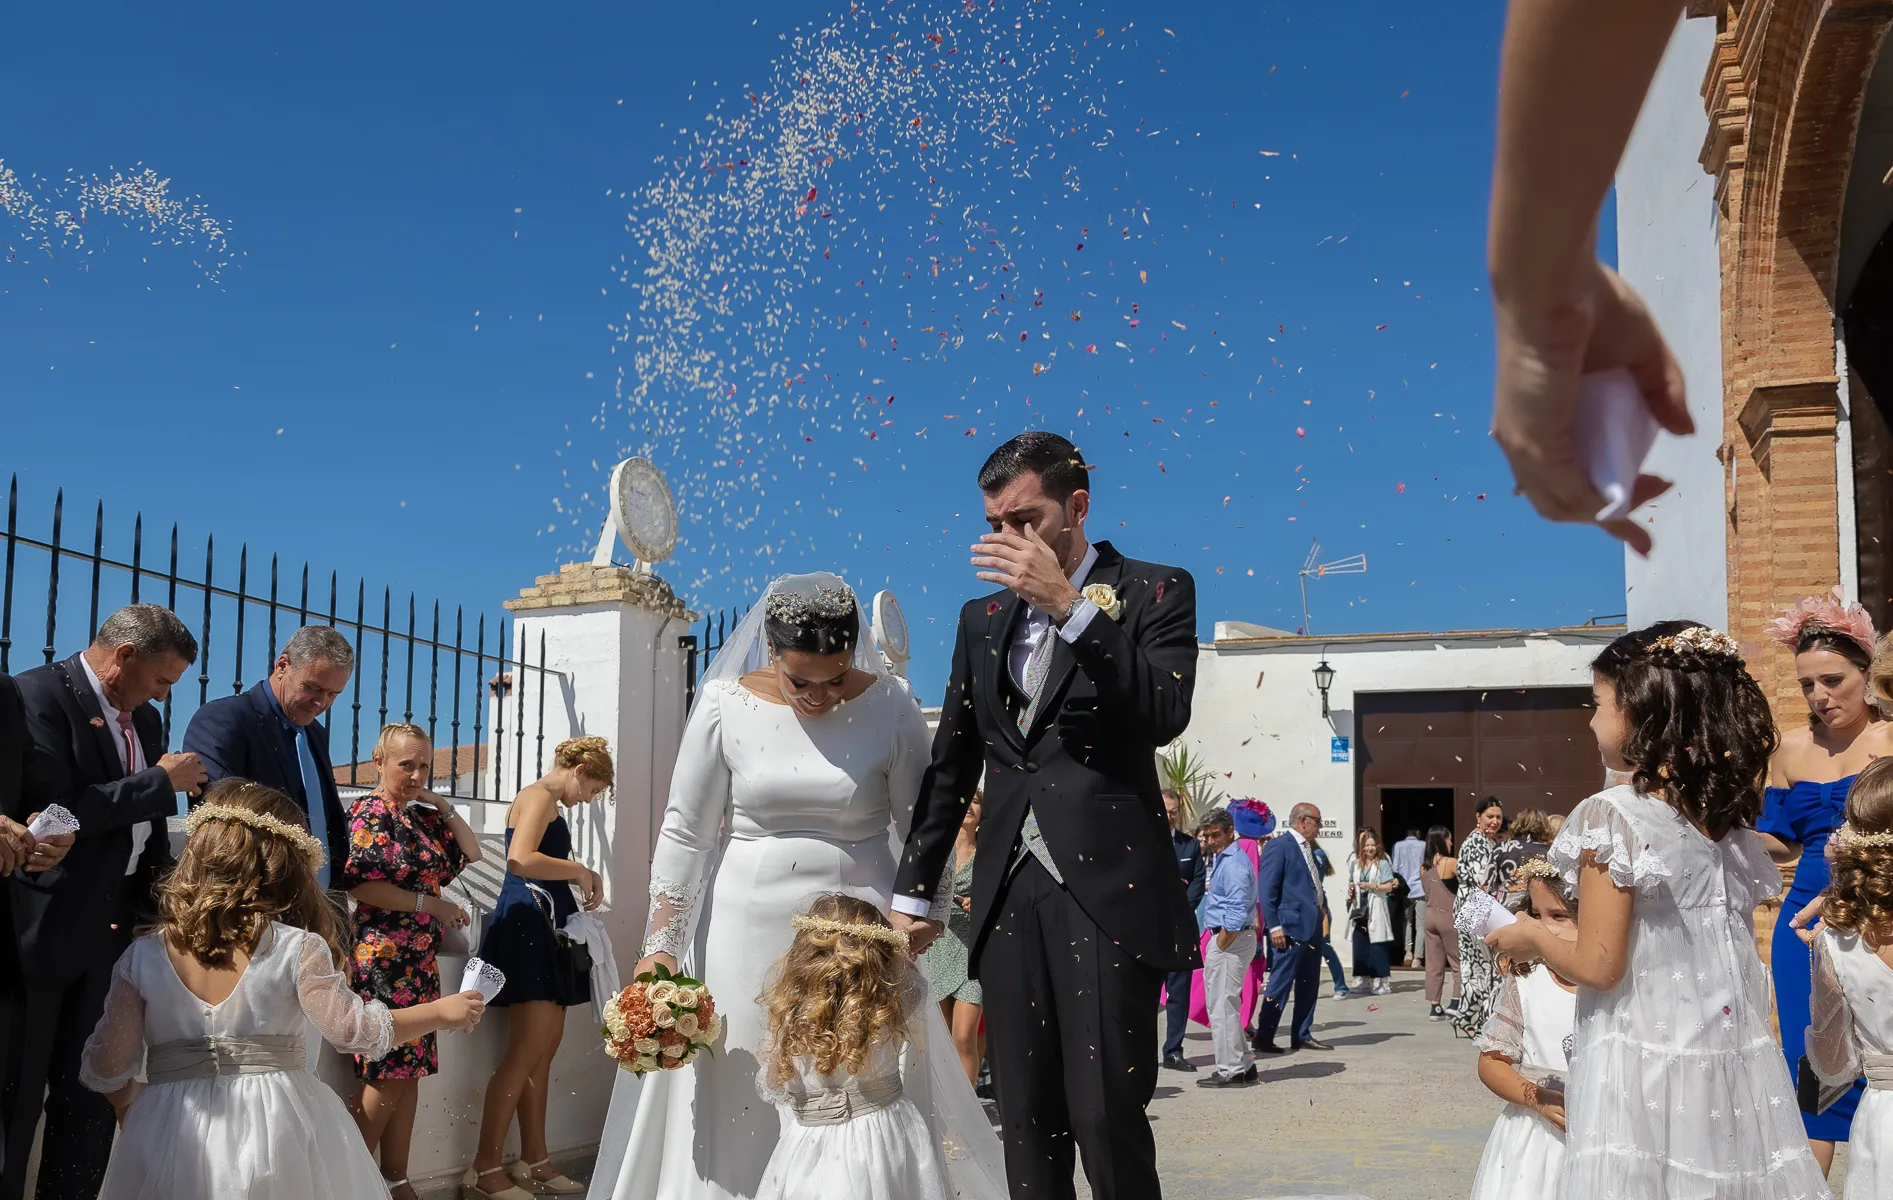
x=1064 y=684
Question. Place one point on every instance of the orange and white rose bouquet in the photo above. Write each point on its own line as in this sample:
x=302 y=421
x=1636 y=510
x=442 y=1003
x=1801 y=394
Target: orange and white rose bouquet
x=660 y=1022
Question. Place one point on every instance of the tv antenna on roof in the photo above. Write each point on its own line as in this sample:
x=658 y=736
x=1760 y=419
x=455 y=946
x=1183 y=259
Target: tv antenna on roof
x=1354 y=565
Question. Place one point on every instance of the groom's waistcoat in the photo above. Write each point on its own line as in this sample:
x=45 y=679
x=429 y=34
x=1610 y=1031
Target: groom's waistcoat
x=1086 y=766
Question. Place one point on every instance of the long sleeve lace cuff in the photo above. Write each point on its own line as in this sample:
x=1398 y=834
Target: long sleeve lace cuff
x=672 y=903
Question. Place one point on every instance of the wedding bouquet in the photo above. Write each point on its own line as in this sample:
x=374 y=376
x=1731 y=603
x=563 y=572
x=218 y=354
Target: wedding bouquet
x=660 y=1022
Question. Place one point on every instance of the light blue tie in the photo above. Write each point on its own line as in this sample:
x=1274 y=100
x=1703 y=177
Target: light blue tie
x=313 y=802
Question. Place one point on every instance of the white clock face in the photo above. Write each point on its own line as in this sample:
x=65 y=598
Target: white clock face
x=647 y=517
x=891 y=624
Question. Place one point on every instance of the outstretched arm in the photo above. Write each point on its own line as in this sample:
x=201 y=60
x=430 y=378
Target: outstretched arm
x=1572 y=78
x=945 y=791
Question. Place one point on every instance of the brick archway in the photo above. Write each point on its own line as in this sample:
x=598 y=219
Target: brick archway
x=1784 y=92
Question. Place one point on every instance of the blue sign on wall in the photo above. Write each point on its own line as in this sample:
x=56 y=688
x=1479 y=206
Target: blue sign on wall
x=1338 y=750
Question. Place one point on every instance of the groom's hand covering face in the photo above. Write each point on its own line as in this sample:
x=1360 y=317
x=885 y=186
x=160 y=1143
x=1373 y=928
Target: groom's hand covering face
x=1035 y=543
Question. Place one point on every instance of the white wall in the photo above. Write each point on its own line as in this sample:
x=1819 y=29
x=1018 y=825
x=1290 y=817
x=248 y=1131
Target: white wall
x=1666 y=248
x=1257 y=714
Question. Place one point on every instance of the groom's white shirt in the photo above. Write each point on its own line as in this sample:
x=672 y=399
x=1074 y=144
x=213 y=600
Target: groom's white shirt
x=1031 y=632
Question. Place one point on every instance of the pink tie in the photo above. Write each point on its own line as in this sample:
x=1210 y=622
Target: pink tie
x=131 y=742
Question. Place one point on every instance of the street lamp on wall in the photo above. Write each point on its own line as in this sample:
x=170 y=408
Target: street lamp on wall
x=1324 y=679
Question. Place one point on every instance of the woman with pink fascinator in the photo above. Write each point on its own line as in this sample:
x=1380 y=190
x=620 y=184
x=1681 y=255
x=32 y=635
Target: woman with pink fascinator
x=1808 y=778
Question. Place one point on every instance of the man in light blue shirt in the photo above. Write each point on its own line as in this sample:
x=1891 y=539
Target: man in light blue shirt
x=1229 y=916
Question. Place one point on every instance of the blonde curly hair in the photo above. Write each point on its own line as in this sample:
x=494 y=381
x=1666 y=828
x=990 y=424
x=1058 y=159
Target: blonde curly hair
x=234 y=879
x=590 y=755
x=833 y=996
x=1860 y=893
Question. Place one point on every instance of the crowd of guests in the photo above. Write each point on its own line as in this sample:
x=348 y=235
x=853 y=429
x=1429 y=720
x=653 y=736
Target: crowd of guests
x=99 y=928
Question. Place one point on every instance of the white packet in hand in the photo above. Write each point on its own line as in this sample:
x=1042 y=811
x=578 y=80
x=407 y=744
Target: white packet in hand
x=57 y=819
x=1480 y=916
x=482 y=977
x=1614 y=431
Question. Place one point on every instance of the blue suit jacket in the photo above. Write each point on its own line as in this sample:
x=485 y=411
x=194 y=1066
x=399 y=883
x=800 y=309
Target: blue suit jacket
x=241 y=736
x=1289 y=900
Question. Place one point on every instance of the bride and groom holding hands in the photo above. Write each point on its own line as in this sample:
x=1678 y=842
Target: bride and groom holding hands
x=806 y=769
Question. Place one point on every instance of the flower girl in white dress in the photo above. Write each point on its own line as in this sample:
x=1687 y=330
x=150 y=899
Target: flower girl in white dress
x=1852 y=1031
x=1677 y=1085
x=201 y=1047
x=846 y=1020
x=1522 y=1056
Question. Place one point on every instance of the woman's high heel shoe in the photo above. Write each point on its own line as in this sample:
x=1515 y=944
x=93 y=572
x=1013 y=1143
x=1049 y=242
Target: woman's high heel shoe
x=558 y=1185
x=470 y=1188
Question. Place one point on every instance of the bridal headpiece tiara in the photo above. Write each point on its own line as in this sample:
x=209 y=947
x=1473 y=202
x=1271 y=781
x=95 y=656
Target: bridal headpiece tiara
x=824 y=603
x=859 y=929
x=295 y=835
x=1847 y=835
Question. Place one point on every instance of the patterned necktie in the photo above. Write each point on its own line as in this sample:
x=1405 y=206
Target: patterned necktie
x=131 y=742
x=314 y=806
x=1037 y=666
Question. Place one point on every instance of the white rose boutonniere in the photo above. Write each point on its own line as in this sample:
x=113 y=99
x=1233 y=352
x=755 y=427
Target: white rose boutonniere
x=1106 y=598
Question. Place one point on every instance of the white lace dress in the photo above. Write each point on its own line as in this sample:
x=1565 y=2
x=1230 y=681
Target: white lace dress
x=1852 y=1036
x=767 y=809
x=859 y=1137
x=1677 y=1088
x=1531 y=1019
x=230 y=1110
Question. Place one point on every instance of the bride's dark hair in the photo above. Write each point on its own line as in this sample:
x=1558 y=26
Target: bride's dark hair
x=824 y=621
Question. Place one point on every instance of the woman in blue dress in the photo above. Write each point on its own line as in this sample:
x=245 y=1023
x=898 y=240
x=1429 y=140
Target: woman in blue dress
x=1807 y=794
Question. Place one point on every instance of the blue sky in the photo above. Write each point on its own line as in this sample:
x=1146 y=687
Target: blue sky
x=412 y=372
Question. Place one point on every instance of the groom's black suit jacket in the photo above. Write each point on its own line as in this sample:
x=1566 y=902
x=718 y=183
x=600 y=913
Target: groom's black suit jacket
x=1087 y=766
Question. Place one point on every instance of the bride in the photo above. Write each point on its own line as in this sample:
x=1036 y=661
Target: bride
x=799 y=769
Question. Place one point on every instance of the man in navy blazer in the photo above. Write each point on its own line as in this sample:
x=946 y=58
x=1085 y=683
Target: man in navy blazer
x=271 y=734
x=1191 y=871
x=1295 y=906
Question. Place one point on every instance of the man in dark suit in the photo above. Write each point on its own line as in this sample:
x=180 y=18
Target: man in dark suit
x=1176 y=985
x=1295 y=907
x=1063 y=685
x=271 y=733
x=97 y=749
x=20 y=794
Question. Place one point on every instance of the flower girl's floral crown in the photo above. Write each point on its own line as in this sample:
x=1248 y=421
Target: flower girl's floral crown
x=1849 y=837
x=861 y=929
x=799 y=608
x=296 y=836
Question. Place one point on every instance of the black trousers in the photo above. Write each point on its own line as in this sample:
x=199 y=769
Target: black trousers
x=54 y=1022
x=1070 y=1020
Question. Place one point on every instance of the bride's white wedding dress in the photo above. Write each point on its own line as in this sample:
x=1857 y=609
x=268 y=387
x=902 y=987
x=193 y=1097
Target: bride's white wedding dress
x=767 y=809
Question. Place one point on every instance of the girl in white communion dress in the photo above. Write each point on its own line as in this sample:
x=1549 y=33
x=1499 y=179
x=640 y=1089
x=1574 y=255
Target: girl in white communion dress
x=1851 y=1034
x=846 y=1016
x=1522 y=1056
x=201 y=1047
x=1677 y=1088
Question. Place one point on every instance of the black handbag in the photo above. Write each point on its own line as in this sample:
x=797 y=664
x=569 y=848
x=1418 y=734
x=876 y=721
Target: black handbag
x=571 y=960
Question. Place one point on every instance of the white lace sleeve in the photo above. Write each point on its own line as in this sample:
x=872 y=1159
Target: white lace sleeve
x=693 y=818
x=115 y=1053
x=1598 y=826
x=1831 y=1049
x=1504 y=1032
x=349 y=1023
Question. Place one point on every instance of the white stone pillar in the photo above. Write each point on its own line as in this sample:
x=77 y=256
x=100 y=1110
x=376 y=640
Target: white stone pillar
x=613 y=669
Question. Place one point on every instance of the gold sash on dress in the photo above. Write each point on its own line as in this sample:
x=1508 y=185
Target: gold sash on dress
x=835 y=1106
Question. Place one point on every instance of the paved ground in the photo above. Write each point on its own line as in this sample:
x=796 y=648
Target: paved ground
x=1394 y=1112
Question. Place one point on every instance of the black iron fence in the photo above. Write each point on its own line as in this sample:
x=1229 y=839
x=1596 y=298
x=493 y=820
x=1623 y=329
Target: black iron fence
x=402 y=653
x=700 y=650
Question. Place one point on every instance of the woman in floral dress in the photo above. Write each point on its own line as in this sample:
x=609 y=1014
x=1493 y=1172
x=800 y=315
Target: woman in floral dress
x=404 y=844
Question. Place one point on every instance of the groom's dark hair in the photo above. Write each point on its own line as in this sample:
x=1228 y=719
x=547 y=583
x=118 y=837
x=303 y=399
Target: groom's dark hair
x=1057 y=463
